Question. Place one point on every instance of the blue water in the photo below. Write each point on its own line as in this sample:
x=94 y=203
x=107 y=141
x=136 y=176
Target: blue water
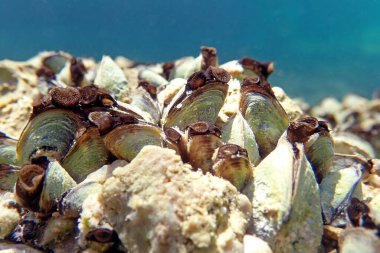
x=320 y=48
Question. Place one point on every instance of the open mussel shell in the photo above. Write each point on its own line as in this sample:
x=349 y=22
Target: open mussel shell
x=56 y=182
x=232 y=163
x=110 y=76
x=264 y=114
x=237 y=131
x=8 y=150
x=86 y=155
x=319 y=147
x=338 y=187
x=8 y=176
x=203 y=140
x=200 y=100
x=126 y=141
x=49 y=134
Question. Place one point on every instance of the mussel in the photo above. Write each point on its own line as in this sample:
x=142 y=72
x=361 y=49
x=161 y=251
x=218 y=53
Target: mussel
x=263 y=112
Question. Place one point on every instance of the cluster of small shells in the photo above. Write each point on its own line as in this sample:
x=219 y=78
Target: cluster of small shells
x=186 y=156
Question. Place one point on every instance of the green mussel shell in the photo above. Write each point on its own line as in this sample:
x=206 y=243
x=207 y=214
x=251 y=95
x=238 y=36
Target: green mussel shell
x=49 y=134
x=203 y=104
x=87 y=155
x=266 y=117
x=126 y=141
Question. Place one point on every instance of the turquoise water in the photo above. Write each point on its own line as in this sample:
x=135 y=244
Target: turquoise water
x=320 y=48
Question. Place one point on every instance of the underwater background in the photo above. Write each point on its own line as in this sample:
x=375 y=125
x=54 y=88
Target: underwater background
x=320 y=48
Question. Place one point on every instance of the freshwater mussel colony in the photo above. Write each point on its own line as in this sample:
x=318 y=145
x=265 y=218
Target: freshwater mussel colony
x=186 y=156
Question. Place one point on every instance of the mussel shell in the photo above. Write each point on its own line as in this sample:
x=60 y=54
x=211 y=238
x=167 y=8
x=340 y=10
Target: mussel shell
x=237 y=131
x=156 y=79
x=176 y=140
x=184 y=67
x=86 y=155
x=320 y=153
x=49 y=134
x=202 y=104
x=358 y=240
x=71 y=203
x=56 y=182
x=338 y=186
x=271 y=189
x=8 y=176
x=264 y=114
x=302 y=231
x=232 y=164
x=8 y=150
x=29 y=186
x=126 y=141
x=144 y=102
x=204 y=139
x=110 y=76
x=55 y=62
x=319 y=146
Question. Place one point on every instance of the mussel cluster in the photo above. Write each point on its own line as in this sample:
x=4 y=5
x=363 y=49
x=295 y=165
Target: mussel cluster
x=185 y=156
